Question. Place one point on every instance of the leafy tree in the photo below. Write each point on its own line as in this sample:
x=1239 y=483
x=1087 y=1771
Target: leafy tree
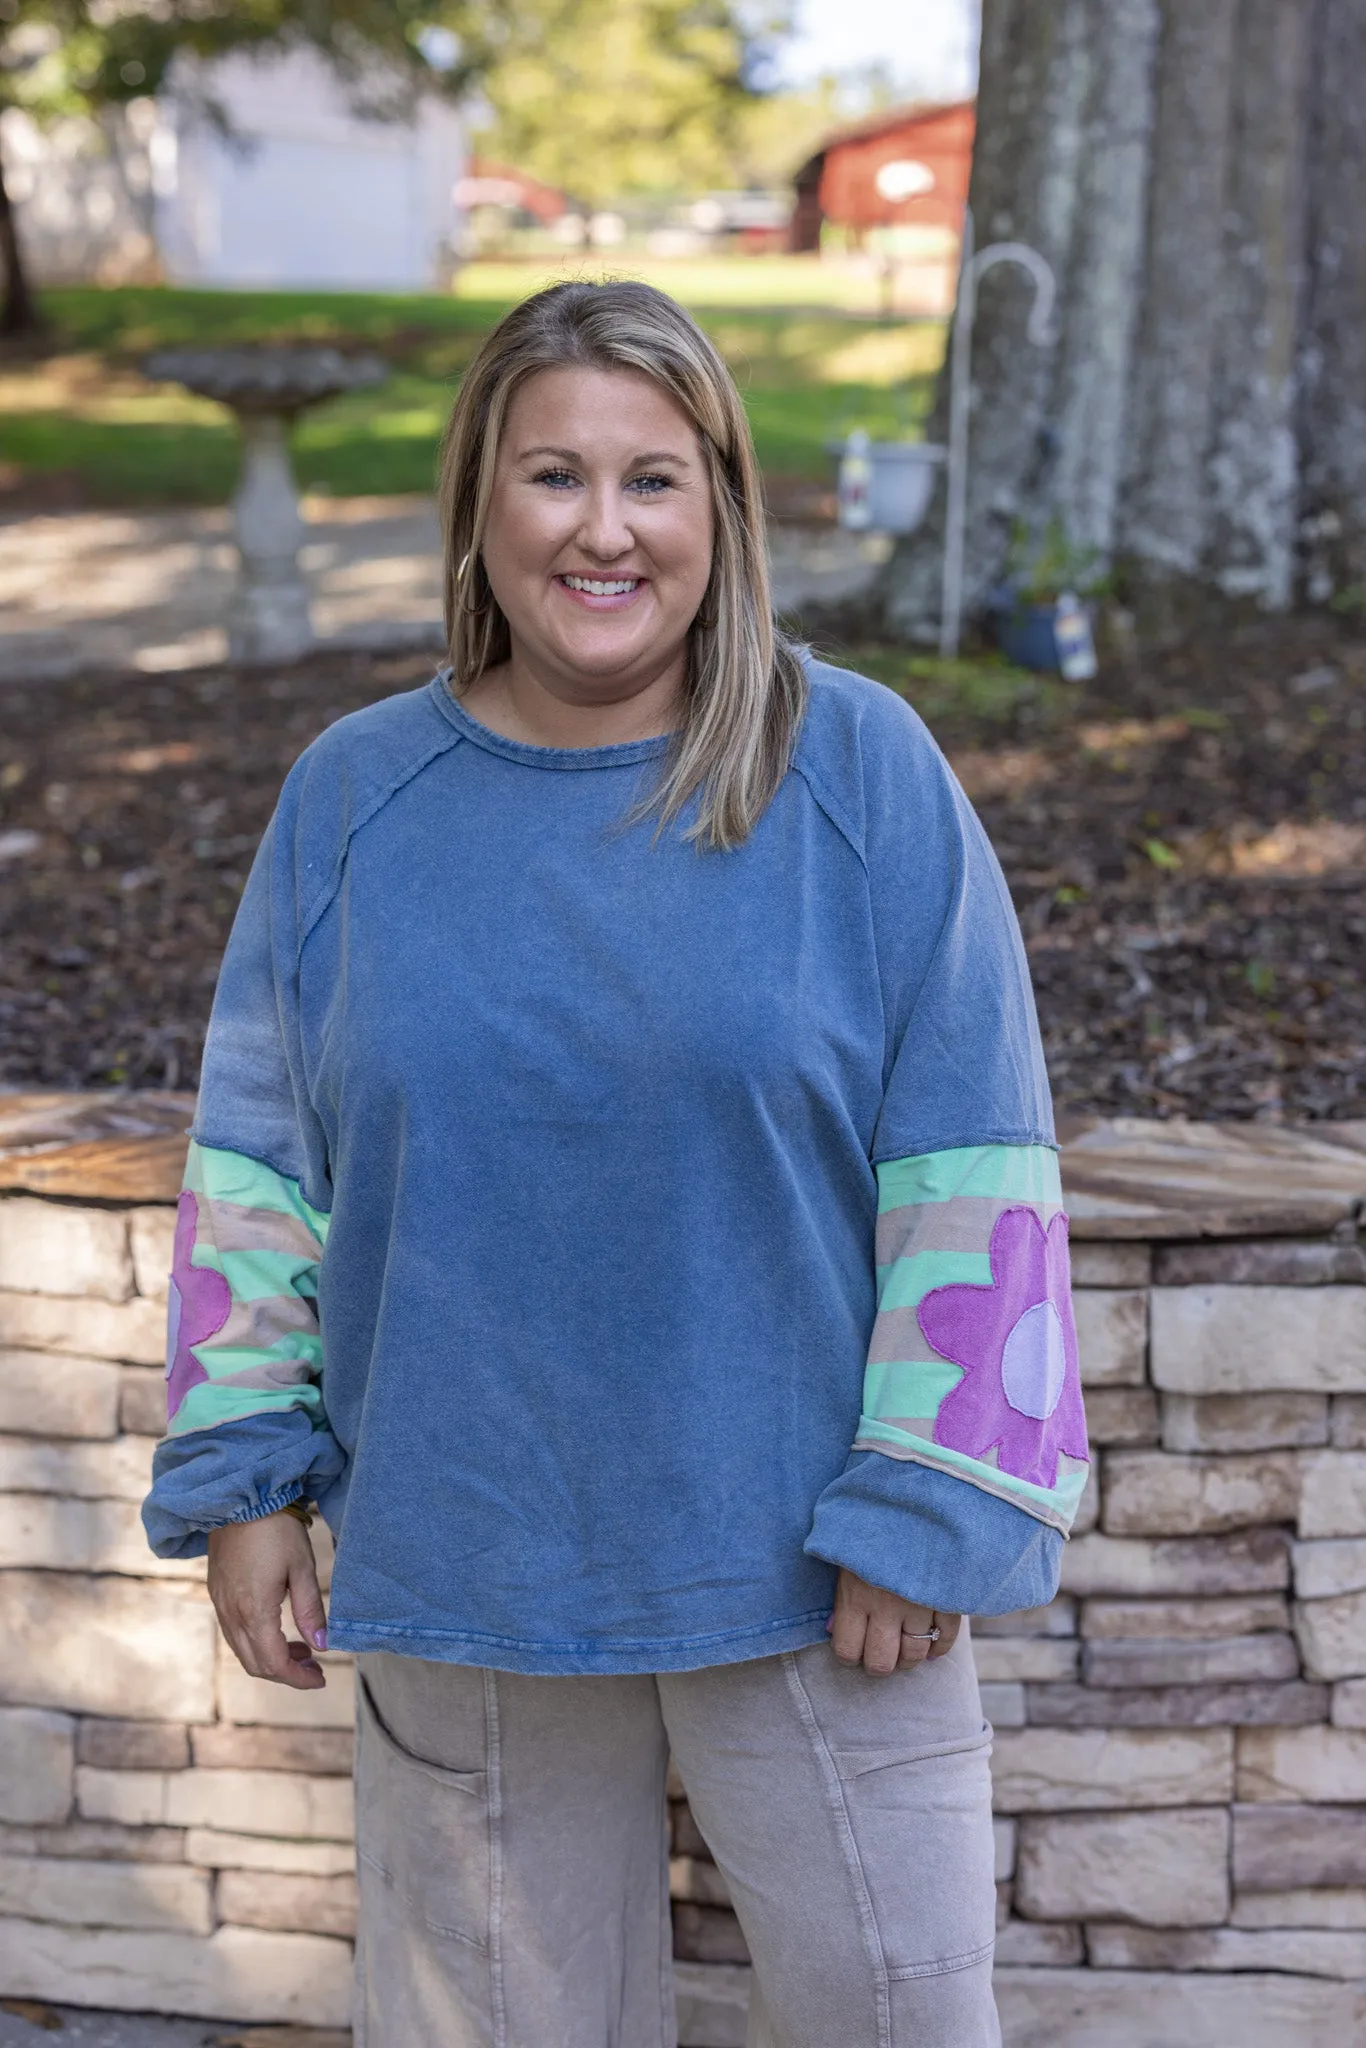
x=65 y=57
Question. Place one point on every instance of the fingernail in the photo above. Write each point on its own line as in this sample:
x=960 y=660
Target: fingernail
x=320 y=1638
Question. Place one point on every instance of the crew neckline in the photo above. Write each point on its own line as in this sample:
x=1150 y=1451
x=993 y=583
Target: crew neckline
x=528 y=754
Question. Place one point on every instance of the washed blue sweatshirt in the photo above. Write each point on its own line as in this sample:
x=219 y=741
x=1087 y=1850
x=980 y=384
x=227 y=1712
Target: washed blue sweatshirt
x=615 y=1237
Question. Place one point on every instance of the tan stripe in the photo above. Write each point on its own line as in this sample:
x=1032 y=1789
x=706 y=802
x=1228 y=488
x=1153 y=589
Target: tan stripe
x=898 y=1338
x=233 y=1228
x=272 y=1372
x=256 y=1325
x=963 y=1224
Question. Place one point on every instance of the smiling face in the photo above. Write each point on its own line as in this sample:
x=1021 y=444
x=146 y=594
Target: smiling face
x=598 y=543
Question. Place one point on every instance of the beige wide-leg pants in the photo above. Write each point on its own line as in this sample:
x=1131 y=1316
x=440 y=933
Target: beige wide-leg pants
x=513 y=1865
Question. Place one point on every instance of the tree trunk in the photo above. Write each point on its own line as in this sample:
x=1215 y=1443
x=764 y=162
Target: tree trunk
x=19 y=312
x=1193 y=174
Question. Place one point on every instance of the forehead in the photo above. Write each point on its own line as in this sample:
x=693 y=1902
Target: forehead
x=602 y=411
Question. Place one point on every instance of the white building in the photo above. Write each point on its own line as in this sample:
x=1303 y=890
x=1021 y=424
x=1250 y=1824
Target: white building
x=302 y=190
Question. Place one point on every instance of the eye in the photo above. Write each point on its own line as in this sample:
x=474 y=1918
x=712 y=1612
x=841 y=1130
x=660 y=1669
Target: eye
x=557 y=479
x=649 y=486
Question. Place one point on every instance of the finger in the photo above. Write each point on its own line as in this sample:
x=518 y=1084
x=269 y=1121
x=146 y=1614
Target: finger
x=949 y=1625
x=882 y=1645
x=914 y=1650
x=851 y=1625
x=306 y=1601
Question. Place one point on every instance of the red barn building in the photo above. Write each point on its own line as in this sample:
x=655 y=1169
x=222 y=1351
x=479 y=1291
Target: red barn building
x=904 y=167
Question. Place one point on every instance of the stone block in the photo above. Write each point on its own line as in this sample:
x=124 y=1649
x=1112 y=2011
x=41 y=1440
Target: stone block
x=1183 y=1620
x=707 y=1934
x=239 y=1973
x=133 y=1331
x=133 y=1745
x=1006 y=1660
x=1224 y=1661
x=1343 y=1907
x=1301 y=1764
x=1151 y=1493
x=45 y=1393
x=1260 y=1262
x=1004 y=1705
x=1155 y=2009
x=1242 y=1422
x=1255 y=1340
x=1349 y=1704
x=290 y=1902
x=1325 y=1570
x=319 y=1752
x=57 y=1248
x=1125 y=1416
x=255 y=1700
x=685 y=1836
x=55 y=1532
x=1097 y=1264
x=1059 y=1618
x=1347 y=1422
x=142 y=1400
x=96 y=1841
x=1293 y=1704
x=133 y=1649
x=1006 y=1835
x=1307 y=1952
x=243 y=1802
x=1332 y=1636
x=104 y=1894
x=1333 y=1502
x=1088 y=1507
x=151 y=1240
x=1112 y=1336
x=1161 y=1869
x=697 y=1879
x=1280 y=1848
x=713 y=2005
x=216 y=1849
x=1258 y=1562
x=1039 y=1944
x=37 y=1760
x=1070 y=1769
x=120 y=1469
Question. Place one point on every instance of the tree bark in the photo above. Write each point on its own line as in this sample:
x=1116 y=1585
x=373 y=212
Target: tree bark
x=19 y=311
x=1333 y=352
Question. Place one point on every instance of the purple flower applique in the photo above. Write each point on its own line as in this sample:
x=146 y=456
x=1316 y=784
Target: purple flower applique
x=200 y=1299
x=1017 y=1344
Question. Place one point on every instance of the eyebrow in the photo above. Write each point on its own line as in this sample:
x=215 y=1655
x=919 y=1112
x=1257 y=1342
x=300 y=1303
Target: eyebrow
x=573 y=455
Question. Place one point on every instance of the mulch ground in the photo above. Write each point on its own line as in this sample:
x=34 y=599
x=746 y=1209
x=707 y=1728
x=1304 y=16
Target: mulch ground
x=1186 y=843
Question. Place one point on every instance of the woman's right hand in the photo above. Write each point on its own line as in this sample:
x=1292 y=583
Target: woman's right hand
x=252 y=1566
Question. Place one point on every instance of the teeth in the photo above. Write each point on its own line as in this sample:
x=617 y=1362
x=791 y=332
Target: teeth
x=597 y=587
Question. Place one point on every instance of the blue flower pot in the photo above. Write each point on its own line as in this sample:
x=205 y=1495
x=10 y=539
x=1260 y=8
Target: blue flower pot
x=1024 y=634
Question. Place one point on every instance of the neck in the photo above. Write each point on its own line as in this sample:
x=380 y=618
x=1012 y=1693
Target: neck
x=563 y=711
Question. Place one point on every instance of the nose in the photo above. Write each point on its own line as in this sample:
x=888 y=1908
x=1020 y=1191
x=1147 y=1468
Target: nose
x=605 y=532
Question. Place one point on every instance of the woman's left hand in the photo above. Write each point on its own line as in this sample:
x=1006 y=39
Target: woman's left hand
x=883 y=1632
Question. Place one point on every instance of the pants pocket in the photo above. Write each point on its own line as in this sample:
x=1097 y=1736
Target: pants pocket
x=422 y=1831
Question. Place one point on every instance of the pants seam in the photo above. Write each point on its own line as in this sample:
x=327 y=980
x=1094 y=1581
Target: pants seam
x=853 y=1861
x=493 y=1742
x=901 y=1972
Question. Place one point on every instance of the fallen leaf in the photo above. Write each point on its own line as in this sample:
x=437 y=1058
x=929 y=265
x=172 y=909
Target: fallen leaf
x=37 y=2015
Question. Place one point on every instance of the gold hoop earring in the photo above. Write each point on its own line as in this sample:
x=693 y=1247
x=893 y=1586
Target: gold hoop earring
x=471 y=611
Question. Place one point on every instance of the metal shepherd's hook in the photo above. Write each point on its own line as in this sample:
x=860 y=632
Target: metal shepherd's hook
x=1040 y=332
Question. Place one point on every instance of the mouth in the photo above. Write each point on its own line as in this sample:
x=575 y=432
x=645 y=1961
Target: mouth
x=602 y=593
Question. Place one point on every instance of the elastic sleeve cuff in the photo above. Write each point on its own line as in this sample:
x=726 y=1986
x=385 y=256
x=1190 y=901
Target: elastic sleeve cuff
x=934 y=1539
x=237 y=1472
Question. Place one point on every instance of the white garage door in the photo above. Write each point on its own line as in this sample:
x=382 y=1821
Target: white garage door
x=318 y=213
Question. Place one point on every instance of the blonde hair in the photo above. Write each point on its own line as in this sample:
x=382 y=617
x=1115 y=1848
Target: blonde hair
x=745 y=689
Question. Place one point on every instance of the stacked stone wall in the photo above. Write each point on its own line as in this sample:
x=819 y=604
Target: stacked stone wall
x=1180 y=1755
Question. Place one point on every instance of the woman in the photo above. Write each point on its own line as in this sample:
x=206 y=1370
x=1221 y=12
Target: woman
x=623 y=1197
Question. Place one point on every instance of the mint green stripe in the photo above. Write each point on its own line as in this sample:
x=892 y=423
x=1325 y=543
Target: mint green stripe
x=909 y=1386
x=908 y=1280
x=252 y=1276
x=233 y=1177
x=205 y=1407
x=1012 y=1173
x=1064 y=1499
x=221 y=1361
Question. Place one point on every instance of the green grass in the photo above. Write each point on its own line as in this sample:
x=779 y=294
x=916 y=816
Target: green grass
x=808 y=372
